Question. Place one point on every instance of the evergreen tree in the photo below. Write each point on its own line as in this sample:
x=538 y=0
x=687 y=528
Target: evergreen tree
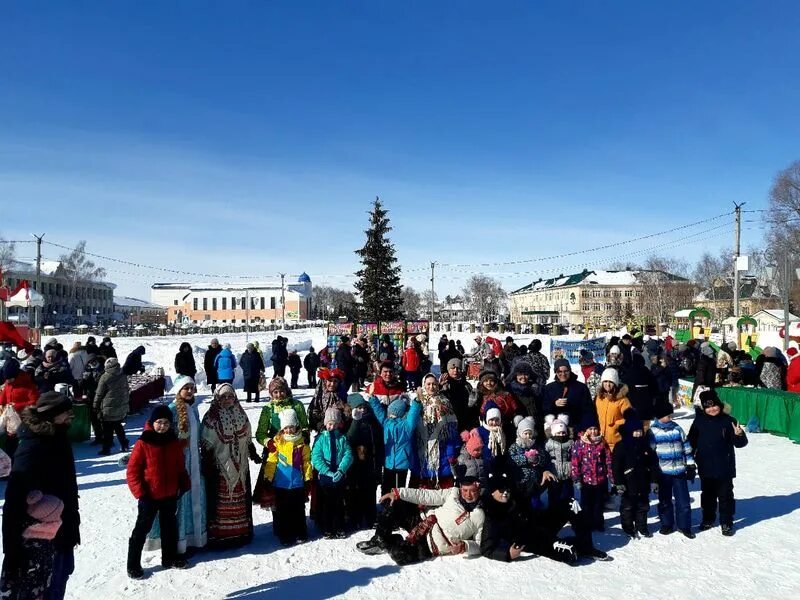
x=379 y=278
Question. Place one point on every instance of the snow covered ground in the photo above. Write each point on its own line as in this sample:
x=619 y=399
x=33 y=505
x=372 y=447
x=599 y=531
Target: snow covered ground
x=758 y=561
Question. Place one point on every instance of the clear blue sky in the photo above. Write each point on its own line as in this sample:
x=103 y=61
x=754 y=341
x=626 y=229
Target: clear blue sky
x=250 y=137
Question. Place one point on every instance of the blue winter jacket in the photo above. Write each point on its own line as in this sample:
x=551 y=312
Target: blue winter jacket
x=398 y=434
x=673 y=450
x=321 y=457
x=225 y=364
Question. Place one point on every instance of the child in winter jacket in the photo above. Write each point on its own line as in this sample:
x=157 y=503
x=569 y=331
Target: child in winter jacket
x=491 y=394
x=280 y=399
x=559 y=450
x=287 y=470
x=676 y=467
x=494 y=438
x=399 y=424
x=365 y=436
x=470 y=459
x=634 y=466
x=714 y=435
x=611 y=403
x=157 y=477
x=529 y=466
x=43 y=520
x=591 y=470
x=332 y=457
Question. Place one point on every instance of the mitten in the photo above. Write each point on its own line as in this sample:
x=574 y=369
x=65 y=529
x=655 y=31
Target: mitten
x=620 y=488
x=337 y=477
x=691 y=472
x=254 y=454
x=357 y=413
x=655 y=488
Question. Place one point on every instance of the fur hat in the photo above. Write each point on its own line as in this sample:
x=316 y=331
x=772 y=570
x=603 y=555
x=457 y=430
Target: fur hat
x=46 y=511
x=472 y=441
x=278 y=383
x=614 y=350
x=527 y=424
x=111 y=363
x=454 y=362
x=610 y=375
x=732 y=346
x=288 y=418
x=632 y=423
x=333 y=415
x=535 y=345
x=493 y=413
x=770 y=352
x=557 y=427
x=487 y=375
x=560 y=363
x=498 y=480
x=51 y=404
x=397 y=408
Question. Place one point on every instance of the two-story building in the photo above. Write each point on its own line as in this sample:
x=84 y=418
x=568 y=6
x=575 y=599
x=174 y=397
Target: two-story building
x=233 y=304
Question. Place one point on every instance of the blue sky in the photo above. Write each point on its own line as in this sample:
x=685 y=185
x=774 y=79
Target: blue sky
x=250 y=137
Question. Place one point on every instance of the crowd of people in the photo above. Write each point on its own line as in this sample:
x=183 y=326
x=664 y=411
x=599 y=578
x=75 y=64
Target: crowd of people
x=494 y=468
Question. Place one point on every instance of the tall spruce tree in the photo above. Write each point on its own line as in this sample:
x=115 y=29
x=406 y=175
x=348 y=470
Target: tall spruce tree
x=379 y=279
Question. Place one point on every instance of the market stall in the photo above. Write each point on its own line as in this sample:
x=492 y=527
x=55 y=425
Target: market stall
x=335 y=333
x=145 y=387
x=777 y=411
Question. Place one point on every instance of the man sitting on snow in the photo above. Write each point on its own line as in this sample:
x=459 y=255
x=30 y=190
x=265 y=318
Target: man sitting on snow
x=455 y=526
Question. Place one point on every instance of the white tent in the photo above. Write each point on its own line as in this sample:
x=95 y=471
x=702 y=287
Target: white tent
x=25 y=298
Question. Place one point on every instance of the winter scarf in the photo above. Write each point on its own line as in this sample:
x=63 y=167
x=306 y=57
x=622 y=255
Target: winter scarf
x=438 y=426
x=226 y=434
x=497 y=440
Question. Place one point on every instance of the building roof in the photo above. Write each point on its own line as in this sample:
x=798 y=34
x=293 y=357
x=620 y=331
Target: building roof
x=586 y=277
x=125 y=301
x=194 y=287
x=748 y=289
x=776 y=314
x=48 y=268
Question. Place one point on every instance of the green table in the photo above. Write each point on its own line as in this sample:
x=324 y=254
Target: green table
x=778 y=412
x=80 y=430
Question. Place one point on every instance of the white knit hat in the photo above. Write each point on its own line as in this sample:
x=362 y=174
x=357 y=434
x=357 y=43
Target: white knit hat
x=610 y=374
x=526 y=424
x=557 y=426
x=614 y=350
x=288 y=418
x=493 y=413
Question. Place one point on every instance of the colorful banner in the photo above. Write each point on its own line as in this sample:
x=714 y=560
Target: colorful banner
x=685 y=391
x=571 y=349
x=340 y=329
x=367 y=329
x=392 y=327
x=415 y=327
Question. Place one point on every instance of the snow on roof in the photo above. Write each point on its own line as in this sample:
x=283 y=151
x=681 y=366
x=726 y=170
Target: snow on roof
x=253 y=285
x=617 y=278
x=777 y=314
x=134 y=302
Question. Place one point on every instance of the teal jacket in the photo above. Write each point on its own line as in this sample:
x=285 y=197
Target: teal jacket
x=321 y=457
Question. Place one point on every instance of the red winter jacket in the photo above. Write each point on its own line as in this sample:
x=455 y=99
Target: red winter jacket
x=411 y=360
x=793 y=375
x=21 y=393
x=156 y=468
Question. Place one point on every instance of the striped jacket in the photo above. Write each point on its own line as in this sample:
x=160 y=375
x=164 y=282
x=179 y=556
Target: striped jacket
x=671 y=446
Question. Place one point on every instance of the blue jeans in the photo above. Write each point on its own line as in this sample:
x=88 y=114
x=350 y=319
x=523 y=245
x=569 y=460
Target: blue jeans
x=63 y=566
x=677 y=486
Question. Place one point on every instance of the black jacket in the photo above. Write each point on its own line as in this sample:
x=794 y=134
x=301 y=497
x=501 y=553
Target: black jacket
x=344 y=359
x=43 y=461
x=311 y=362
x=208 y=364
x=706 y=371
x=184 y=361
x=642 y=388
x=107 y=350
x=252 y=364
x=133 y=364
x=294 y=363
x=579 y=401
x=505 y=525
x=361 y=357
x=634 y=465
x=714 y=440
x=366 y=441
x=458 y=392
x=280 y=355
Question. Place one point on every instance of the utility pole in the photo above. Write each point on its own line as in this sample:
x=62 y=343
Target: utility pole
x=787 y=286
x=36 y=309
x=737 y=250
x=283 y=303
x=247 y=314
x=433 y=293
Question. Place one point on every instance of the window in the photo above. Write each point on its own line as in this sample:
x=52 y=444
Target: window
x=213 y=304
x=597 y=308
x=224 y=305
x=205 y=303
x=586 y=307
x=244 y=303
x=608 y=306
x=585 y=294
x=175 y=302
x=263 y=302
x=194 y=304
x=628 y=293
x=272 y=302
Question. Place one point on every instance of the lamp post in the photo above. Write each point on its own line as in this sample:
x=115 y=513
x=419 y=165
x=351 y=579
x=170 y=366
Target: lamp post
x=772 y=272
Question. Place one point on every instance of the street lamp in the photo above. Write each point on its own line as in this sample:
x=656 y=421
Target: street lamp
x=772 y=273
